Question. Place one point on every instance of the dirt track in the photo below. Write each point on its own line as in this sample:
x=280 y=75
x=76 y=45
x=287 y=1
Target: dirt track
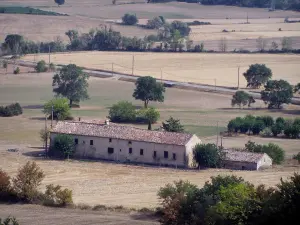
x=37 y=215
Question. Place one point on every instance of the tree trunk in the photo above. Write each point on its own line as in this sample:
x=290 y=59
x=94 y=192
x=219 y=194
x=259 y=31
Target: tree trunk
x=149 y=125
x=71 y=103
x=146 y=104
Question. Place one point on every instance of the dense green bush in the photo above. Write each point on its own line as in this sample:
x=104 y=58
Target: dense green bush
x=17 y=70
x=242 y=98
x=63 y=146
x=292 y=131
x=41 y=67
x=61 y=109
x=11 y=110
x=56 y=196
x=207 y=155
x=122 y=112
x=173 y=125
x=130 y=19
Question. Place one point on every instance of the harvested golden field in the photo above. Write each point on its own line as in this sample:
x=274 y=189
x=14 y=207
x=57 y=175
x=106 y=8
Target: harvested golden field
x=189 y=67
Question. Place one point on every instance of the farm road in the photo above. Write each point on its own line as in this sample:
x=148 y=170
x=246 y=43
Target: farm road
x=38 y=215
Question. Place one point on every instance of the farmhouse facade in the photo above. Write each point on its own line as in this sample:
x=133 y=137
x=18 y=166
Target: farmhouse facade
x=241 y=160
x=129 y=144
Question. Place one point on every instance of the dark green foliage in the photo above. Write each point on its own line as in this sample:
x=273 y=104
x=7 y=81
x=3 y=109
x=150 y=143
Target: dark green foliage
x=280 y=120
x=277 y=128
x=182 y=27
x=63 y=146
x=242 y=98
x=150 y=115
x=9 y=221
x=13 y=43
x=122 y=112
x=17 y=70
x=130 y=19
x=27 y=10
x=72 y=35
x=71 y=83
x=59 y=2
x=173 y=125
x=207 y=155
x=147 y=89
x=274 y=151
x=257 y=126
x=276 y=93
x=234 y=125
x=56 y=196
x=257 y=75
x=155 y=23
x=11 y=110
x=292 y=130
x=297 y=157
x=41 y=67
x=268 y=120
x=61 y=109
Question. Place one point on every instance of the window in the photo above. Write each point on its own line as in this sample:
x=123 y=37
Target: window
x=91 y=142
x=154 y=154
x=166 y=154
x=76 y=141
x=110 y=140
x=130 y=150
x=110 y=150
x=174 y=156
x=129 y=142
x=141 y=151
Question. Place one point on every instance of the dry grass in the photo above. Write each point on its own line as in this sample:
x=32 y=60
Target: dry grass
x=197 y=68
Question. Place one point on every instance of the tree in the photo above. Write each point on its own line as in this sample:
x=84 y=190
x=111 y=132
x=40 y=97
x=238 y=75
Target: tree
x=71 y=83
x=9 y=221
x=63 y=146
x=59 y=2
x=286 y=44
x=242 y=98
x=61 y=108
x=277 y=129
x=268 y=120
x=130 y=19
x=257 y=126
x=155 y=23
x=72 y=35
x=276 y=93
x=182 y=27
x=151 y=115
x=223 y=45
x=13 y=43
x=261 y=44
x=235 y=124
x=57 y=196
x=41 y=67
x=173 y=125
x=257 y=75
x=208 y=155
x=5 y=186
x=292 y=130
x=27 y=181
x=147 y=89
x=274 y=46
x=122 y=111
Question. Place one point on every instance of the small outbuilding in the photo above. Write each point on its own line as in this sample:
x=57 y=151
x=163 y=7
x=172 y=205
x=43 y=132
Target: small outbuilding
x=242 y=160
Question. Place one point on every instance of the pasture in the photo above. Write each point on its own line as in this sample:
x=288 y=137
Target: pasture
x=116 y=184
x=206 y=68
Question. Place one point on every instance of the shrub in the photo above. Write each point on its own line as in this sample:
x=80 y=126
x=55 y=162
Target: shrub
x=257 y=126
x=267 y=132
x=173 y=125
x=61 y=108
x=41 y=67
x=130 y=19
x=63 y=146
x=9 y=221
x=150 y=115
x=207 y=155
x=235 y=125
x=11 y=110
x=52 y=67
x=292 y=131
x=242 y=98
x=268 y=120
x=155 y=23
x=4 y=64
x=280 y=120
x=297 y=157
x=5 y=186
x=122 y=112
x=56 y=196
x=17 y=70
x=27 y=181
x=277 y=129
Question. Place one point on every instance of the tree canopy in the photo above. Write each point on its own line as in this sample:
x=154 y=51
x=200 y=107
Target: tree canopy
x=61 y=108
x=150 y=114
x=130 y=19
x=208 y=155
x=257 y=75
x=63 y=146
x=242 y=98
x=276 y=93
x=71 y=83
x=122 y=111
x=147 y=89
x=173 y=125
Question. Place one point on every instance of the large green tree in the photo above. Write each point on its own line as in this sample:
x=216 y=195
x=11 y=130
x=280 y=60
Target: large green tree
x=122 y=111
x=208 y=155
x=151 y=115
x=61 y=108
x=276 y=93
x=257 y=75
x=147 y=89
x=242 y=98
x=173 y=125
x=13 y=43
x=63 y=146
x=71 y=83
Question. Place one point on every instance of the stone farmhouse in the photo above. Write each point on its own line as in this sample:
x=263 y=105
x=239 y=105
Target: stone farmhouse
x=129 y=144
x=242 y=160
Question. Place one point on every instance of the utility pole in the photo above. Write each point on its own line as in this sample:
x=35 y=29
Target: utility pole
x=112 y=69
x=49 y=54
x=46 y=141
x=51 y=116
x=217 y=133
x=238 y=78
x=132 y=64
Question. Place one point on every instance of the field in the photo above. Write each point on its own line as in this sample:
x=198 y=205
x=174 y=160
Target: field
x=219 y=69
x=116 y=184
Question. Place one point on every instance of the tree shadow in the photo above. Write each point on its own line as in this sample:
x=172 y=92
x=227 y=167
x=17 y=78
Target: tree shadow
x=284 y=111
x=38 y=153
x=33 y=107
x=37 y=118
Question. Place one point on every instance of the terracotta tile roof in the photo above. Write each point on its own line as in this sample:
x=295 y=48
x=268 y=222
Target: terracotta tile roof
x=242 y=156
x=121 y=132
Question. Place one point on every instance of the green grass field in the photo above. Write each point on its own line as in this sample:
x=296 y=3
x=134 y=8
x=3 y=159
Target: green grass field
x=27 y=10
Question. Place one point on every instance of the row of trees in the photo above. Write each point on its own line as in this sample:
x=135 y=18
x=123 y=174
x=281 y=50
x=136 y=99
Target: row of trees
x=266 y=126
x=11 y=110
x=230 y=200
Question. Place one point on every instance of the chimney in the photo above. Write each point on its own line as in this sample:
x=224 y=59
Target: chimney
x=106 y=122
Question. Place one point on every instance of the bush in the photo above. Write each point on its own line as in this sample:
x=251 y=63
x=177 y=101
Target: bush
x=155 y=23
x=9 y=221
x=56 y=196
x=268 y=120
x=257 y=126
x=242 y=98
x=277 y=129
x=63 y=146
x=17 y=70
x=52 y=67
x=61 y=108
x=267 y=132
x=27 y=181
x=11 y=110
x=129 y=19
x=122 y=112
x=207 y=155
x=292 y=131
x=297 y=157
x=5 y=186
x=41 y=67
x=173 y=125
